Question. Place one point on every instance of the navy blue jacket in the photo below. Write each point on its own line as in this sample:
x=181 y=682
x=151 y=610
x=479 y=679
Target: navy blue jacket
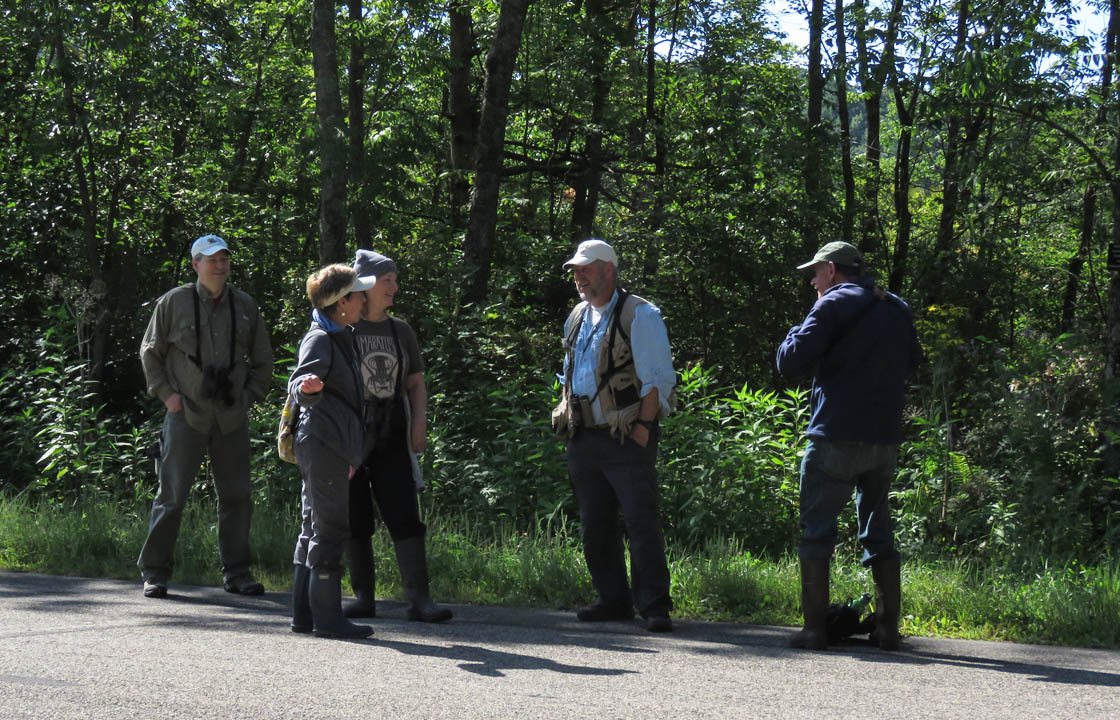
x=859 y=347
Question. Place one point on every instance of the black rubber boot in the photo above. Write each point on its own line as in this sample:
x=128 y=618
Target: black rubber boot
x=414 y=578
x=887 y=573
x=814 y=606
x=326 y=607
x=362 y=579
x=301 y=600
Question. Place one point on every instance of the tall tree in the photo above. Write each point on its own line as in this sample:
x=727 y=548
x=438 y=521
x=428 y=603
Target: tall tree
x=655 y=117
x=462 y=111
x=840 y=70
x=815 y=201
x=333 y=177
x=356 y=102
x=906 y=102
x=907 y=90
x=873 y=74
x=478 y=245
x=85 y=173
x=1076 y=263
x=1111 y=420
x=966 y=121
x=605 y=31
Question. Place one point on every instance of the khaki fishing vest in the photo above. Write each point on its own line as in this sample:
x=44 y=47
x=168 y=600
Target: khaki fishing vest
x=620 y=394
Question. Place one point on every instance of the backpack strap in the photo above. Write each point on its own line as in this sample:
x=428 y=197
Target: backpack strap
x=616 y=327
x=572 y=327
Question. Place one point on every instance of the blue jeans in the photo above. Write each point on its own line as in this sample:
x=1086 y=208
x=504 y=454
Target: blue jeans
x=829 y=473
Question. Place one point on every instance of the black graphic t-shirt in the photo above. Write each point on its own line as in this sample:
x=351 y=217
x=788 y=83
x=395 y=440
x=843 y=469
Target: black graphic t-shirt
x=380 y=356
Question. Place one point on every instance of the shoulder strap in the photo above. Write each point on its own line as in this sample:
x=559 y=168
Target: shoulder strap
x=616 y=327
x=571 y=325
x=624 y=313
x=197 y=357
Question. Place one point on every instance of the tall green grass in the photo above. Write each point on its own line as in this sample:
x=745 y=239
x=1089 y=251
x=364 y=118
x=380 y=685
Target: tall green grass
x=1068 y=604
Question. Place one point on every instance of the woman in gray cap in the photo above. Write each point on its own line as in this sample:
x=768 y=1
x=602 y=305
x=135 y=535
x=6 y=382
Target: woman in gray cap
x=396 y=429
x=328 y=445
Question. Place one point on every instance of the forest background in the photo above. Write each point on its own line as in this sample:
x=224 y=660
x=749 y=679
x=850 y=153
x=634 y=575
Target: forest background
x=971 y=149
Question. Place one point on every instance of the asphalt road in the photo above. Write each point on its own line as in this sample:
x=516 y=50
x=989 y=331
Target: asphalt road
x=86 y=648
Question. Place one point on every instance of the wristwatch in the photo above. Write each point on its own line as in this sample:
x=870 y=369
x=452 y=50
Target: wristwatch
x=647 y=424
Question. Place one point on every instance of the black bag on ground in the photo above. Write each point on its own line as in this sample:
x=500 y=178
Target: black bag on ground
x=844 y=620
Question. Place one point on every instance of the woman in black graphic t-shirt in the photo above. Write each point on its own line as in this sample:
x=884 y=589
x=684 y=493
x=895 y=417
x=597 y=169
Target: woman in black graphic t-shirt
x=395 y=400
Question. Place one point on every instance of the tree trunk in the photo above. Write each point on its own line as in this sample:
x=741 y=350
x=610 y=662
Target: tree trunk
x=815 y=134
x=358 y=207
x=847 y=217
x=1076 y=264
x=902 y=175
x=951 y=178
x=332 y=134
x=239 y=181
x=1110 y=395
x=478 y=246
x=874 y=77
x=651 y=258
x=462 y=112
x=93 y=325
x=587 y=183
x=1089 y=200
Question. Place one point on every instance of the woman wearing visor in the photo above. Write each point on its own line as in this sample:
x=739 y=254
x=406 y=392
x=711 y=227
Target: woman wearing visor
x=328 y=446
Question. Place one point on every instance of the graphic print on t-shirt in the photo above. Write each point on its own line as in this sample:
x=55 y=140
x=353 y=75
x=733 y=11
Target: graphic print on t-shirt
x=379 y=364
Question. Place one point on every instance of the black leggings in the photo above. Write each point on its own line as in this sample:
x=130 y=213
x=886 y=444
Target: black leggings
x=386 y=476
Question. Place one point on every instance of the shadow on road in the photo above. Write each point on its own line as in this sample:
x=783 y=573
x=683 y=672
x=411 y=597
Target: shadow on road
x=490 y=663
x=74 y=598
x=1037 y=671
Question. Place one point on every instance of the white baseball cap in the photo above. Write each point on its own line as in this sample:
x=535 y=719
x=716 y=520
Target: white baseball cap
x=208 y=245
x=591 y=250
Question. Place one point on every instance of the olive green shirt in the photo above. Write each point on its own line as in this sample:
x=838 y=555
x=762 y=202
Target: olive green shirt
x=171 y=341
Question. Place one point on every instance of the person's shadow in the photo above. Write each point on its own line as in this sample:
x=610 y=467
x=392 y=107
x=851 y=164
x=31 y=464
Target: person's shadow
x=491 y=663
x=1039 y=672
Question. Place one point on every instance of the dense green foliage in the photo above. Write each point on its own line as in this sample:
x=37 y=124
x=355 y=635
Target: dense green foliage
x=128 y=129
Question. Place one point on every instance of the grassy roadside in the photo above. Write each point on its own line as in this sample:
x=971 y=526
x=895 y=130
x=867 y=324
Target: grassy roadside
x=1068 y=604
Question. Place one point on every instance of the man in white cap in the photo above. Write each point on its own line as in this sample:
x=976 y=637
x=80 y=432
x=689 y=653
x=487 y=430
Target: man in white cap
x=207 y=357
x=617 y=381
x=858 y=342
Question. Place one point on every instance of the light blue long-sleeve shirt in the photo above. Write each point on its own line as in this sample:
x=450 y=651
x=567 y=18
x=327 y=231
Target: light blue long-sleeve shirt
x=649 y=343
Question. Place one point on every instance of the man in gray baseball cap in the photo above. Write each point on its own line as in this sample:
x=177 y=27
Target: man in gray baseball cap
x=840 y=253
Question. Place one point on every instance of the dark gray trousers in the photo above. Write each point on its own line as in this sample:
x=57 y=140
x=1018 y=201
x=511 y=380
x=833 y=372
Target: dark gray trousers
x=182 y=449
x=325 y=496
x=608 y=478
